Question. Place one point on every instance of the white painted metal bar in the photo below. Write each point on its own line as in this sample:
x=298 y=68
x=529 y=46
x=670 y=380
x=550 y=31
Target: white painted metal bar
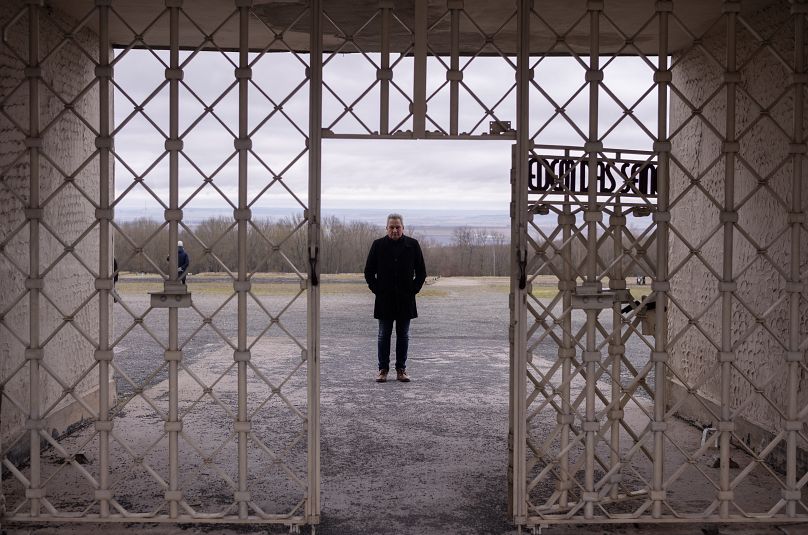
x=590 y=422
x=592 y=214
x=385 y=73
x=428 y=135
x=454 y=74
x=243 y=145
x=567 y=351
x=420 y=50
x=34 y=282
x=105 y=280
x=173 y=143
x=792 y=492
x=513 y=482
x=617 y=284
x=518 y=297
x=660 y=284
x=312 y=509
x=728 y=218
x=591 y=284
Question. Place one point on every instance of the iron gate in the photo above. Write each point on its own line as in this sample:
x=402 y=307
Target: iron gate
x=603 y=379
x=634 y=401
x=144 y=421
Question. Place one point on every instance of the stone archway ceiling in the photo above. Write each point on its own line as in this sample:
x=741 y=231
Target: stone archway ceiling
x=697 y=15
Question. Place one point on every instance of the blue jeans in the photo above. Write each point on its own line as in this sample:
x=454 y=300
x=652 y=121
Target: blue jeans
x=402 y=342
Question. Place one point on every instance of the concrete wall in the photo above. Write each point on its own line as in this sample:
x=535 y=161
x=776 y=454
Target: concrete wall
x=764 y=147
x=67 y=143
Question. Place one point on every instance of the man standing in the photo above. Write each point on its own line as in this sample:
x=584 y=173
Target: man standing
x=183 y=261
x=395 y=272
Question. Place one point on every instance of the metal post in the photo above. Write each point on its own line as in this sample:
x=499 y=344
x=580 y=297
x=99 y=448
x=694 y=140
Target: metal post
x=173 y=145
x=419 y=70
x=454 y=75
x=313 y=294
x=566 y=351
x=727 y=286
x=512 y=372
x=104 y=281
x=518 y=325
x=34 y=283
x=794 y=357
x=660 y=285
x=591 y=285
x=617 y=283
x=242 y=286
x=593 y=214
x=385 y=73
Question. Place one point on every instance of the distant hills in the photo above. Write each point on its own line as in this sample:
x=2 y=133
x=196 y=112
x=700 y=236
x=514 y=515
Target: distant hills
x=436 y=225
x=430 y=223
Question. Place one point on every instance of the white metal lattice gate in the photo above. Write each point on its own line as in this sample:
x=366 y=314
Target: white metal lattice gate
x=602 y=378
x=165 y=430
x=686 y=403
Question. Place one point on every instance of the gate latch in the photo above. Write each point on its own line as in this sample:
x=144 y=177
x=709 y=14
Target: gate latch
x=315 y=280
x=522 y=268
x=174 y=295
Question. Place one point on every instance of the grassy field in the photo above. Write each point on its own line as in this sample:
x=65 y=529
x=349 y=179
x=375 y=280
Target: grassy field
x=269 y=284
x=262 y=283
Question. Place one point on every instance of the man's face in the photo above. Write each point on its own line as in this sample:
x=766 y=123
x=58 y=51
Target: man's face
x=395 y=229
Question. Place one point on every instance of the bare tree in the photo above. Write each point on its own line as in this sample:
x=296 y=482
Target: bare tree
x=280 y=245
x=139 y=245
x=212 y=246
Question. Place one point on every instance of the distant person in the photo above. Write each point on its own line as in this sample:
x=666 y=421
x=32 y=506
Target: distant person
x=183 y=261
x=114 y=279
x=395 y=272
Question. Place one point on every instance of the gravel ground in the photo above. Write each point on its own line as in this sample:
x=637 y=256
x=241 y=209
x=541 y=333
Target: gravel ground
x=427 y=457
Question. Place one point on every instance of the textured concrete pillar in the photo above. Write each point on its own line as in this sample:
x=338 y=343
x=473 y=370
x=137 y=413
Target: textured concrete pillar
x=68 y=172
x=763 y=178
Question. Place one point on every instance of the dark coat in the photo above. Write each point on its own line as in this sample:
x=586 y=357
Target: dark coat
x=395 y=272
x=183 y=260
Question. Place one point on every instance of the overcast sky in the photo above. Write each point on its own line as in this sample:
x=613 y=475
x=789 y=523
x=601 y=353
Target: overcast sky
x=356 y=174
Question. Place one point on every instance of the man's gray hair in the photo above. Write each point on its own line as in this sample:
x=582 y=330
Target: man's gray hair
x=394 y=215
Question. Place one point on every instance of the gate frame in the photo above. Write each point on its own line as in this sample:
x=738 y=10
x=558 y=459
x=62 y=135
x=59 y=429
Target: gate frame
x=519 y=213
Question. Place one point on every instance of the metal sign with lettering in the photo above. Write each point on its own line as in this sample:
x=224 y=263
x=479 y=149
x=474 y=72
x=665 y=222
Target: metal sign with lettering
x=561 y=174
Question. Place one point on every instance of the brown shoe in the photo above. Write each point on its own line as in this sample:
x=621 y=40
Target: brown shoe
x=382 y=377
x=402 y=376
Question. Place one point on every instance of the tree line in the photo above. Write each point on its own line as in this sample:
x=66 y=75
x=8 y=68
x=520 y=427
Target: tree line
x=280 y=245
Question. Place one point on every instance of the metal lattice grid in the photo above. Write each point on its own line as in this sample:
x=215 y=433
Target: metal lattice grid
x=618 y=450
x=625 y=386
x=177 y=468
x=415 y=76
